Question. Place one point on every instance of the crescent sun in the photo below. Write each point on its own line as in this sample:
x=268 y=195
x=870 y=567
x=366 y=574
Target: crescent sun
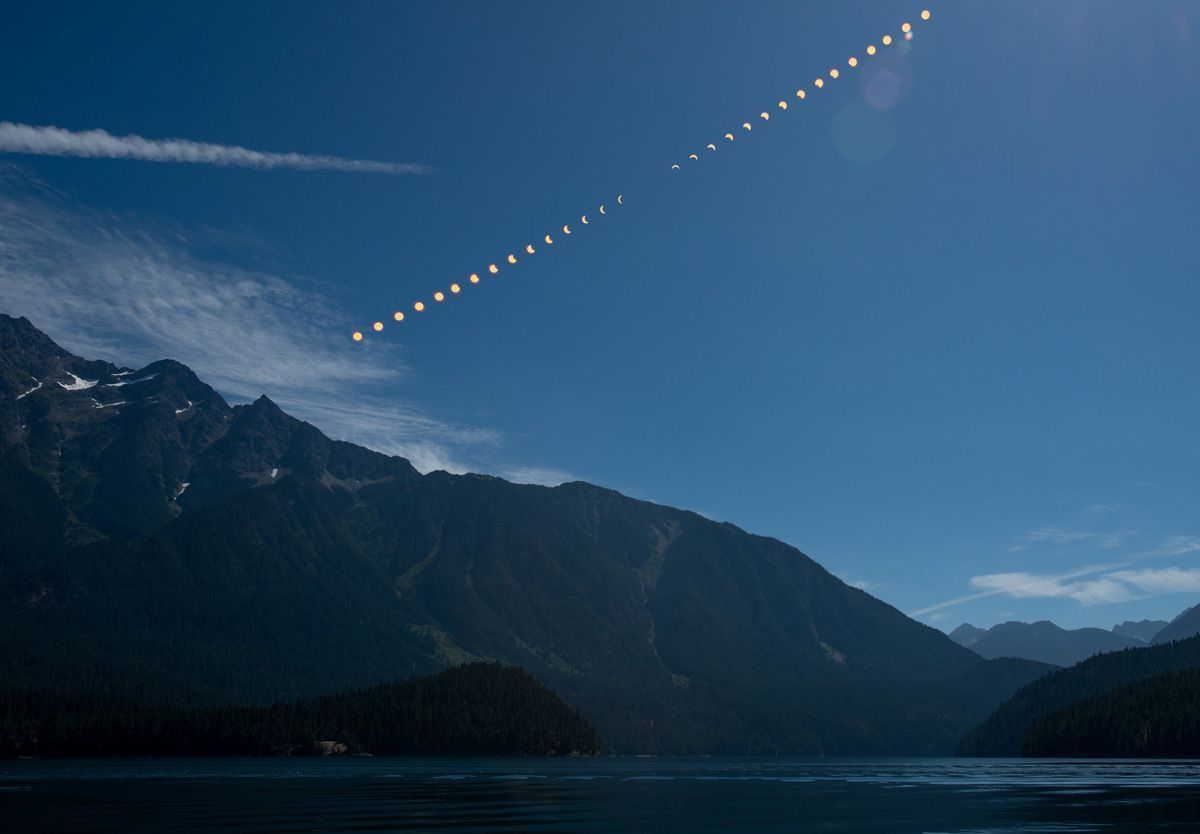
x=566 y=230
x=584 y=219
x=602 y=211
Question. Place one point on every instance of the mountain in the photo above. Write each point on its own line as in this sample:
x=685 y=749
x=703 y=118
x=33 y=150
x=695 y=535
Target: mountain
x=1002 y=733
x=1143 y=630
x=480 y=709
x=170 y=547
x=1042 y=641
x=1158 y=717
x=1182 y=627
x=967 y=635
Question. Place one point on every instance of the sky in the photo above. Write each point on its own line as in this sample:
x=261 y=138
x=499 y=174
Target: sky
x=935 y=325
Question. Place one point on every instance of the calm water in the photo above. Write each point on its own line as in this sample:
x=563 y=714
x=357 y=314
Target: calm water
x=617 y=795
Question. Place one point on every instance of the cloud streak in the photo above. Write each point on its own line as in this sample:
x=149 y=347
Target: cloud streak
x=48 y=140
x=1111 y=582
x=1056 y=536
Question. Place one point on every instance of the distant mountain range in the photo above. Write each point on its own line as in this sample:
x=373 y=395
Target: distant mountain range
x=1143 y=630
x=1042 y=641
x=159 y=543
x=1182 y=627
x=1045 y=642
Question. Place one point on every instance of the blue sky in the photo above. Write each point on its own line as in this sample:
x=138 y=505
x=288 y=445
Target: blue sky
x=935 y=326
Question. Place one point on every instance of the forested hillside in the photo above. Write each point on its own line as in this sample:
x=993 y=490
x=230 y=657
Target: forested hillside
x=478 y=709
x=1158 y=717
x=1002 y=733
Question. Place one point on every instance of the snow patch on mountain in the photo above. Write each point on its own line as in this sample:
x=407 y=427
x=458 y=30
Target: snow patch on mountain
x=128 y=382
x=181 y=410
x=79 y=384
x=31 y=390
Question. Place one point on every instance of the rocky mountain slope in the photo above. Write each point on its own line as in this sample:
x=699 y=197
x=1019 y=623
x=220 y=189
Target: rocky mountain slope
x=163 y=543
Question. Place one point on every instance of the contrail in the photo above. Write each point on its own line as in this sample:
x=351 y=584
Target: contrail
x=56 y=141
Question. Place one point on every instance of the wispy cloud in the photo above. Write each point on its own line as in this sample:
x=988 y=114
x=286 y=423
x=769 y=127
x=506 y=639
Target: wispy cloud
x=1021 y=585
x=1090 y=584
x=1153 y=582
x=541 y=476
x=48 y=140
x=107 y=287
x=1105 y=509
x=1056 y=536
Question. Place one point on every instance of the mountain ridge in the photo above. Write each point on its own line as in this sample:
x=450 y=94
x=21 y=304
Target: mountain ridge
x=209 y=552
x=1042 y=641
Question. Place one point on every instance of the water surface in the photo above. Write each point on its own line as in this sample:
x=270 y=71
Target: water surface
x=872 y=796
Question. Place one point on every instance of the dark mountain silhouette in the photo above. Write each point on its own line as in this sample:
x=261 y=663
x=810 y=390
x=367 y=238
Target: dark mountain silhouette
x=1186 y=625
x=169 y=546
x=1042 y=641
x=1002 y=733
x=1143 y=630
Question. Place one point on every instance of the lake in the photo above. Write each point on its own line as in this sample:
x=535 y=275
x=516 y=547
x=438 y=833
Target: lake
x=727 y=795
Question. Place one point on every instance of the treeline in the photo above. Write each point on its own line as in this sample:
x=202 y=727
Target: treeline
x=1158 y=717
x=479 y=709
x=1003 y=732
